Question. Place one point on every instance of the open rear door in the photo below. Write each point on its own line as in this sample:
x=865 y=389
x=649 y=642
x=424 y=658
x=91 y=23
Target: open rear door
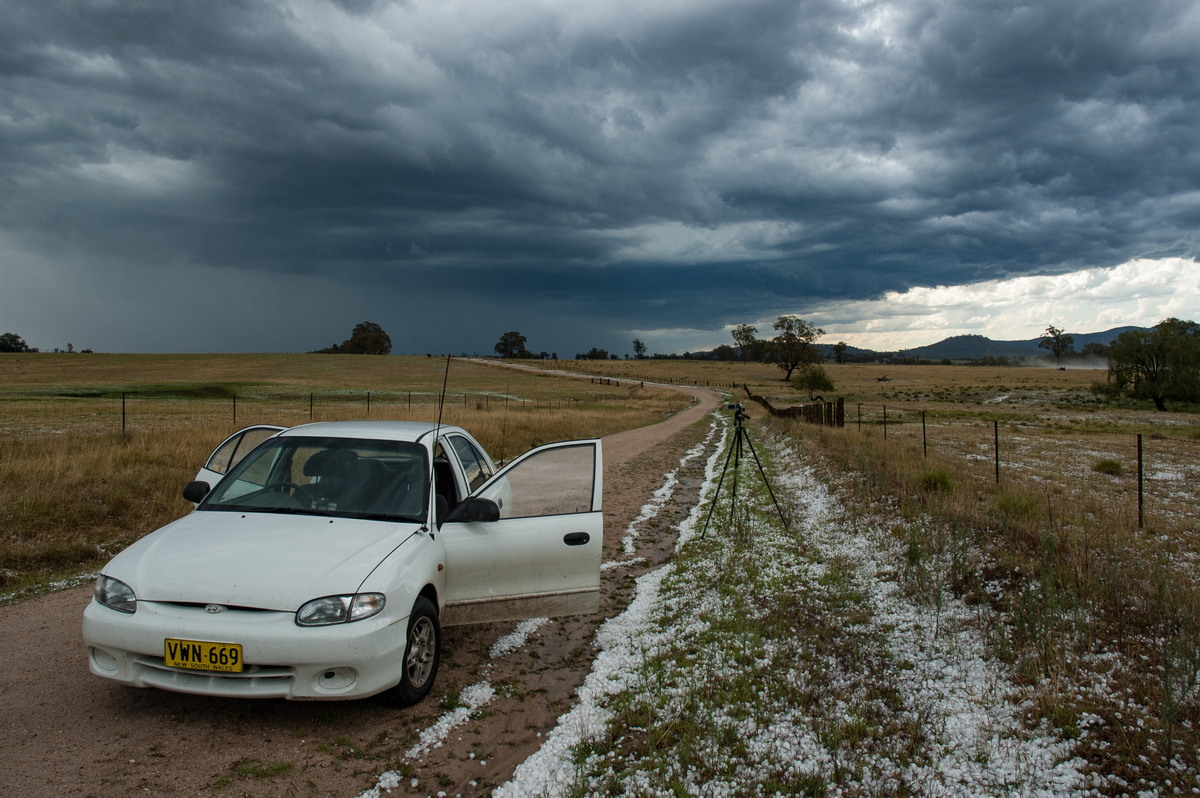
x=542 y=558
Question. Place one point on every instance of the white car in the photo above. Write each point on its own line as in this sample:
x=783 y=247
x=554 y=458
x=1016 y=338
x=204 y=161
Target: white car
x=321 y=561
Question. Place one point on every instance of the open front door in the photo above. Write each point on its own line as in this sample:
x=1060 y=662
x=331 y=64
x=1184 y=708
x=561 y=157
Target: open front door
x=542 y=558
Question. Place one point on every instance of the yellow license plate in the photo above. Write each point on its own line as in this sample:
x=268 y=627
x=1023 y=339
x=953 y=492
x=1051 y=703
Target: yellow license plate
x=201 y=656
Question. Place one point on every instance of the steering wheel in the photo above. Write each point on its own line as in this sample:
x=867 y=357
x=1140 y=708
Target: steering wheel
x=296 y=491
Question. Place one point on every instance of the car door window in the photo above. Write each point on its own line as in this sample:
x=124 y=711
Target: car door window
x=237 y=446
x=474 y=464
x=557 y=481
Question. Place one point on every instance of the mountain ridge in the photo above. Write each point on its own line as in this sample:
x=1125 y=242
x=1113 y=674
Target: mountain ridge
x=978 y=347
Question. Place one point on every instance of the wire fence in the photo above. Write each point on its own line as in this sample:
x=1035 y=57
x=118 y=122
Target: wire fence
x=130 y=411
x=1140 y=471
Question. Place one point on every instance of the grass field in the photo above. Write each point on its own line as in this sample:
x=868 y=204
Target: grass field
x=94 y=449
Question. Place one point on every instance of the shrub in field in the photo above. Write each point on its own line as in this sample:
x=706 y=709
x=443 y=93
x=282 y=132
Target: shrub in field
x=1015 y=505
x=1108 y=466
x=936 y=480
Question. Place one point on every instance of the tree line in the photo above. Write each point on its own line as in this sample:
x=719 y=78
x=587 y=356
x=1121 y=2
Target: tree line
x=1161 y=364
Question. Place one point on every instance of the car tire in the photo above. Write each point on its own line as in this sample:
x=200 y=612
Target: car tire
x=422 y=653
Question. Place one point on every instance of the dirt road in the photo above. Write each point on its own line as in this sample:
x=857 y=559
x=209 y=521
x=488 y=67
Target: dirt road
x=65 y=732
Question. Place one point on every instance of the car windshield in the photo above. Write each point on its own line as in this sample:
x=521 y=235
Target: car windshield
x=344 y=477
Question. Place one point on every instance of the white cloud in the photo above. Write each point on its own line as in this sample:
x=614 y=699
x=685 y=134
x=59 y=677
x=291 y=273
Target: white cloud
x=1140 y=292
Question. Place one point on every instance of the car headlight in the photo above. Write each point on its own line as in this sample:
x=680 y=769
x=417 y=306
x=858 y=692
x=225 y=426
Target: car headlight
x=115 y=594
x=340 y=609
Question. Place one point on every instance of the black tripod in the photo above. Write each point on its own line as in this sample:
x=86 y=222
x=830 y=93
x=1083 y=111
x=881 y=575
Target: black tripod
x=735 y=452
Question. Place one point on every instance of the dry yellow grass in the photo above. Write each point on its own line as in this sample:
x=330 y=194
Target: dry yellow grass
x=95 y=448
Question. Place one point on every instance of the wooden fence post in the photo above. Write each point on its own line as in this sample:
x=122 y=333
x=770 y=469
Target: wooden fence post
x=996 y=436
x=1141 y=485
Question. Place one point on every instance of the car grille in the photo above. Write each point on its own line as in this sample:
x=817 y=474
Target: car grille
x=256 y=681
x=198 y=605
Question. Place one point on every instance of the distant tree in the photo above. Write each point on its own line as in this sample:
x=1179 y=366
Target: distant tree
x=839 y=351
x=744 y=338
x=811 y=377
x=1160 y=364
x=639 y=349
x=1095 y=350
x=793 y=346
x=11 y=342
x=367 y=338
x=1059 y=343
x=512 y=345
x=723 y=352
x=593 y=354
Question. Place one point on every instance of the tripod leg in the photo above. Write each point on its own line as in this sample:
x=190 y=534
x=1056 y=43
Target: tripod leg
x=767 y=482
x=737 y=462
x=717 y=493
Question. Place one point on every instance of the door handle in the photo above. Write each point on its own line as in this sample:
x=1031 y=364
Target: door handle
x=576 y=538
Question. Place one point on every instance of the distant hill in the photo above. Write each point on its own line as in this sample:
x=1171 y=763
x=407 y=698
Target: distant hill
x=977 y=347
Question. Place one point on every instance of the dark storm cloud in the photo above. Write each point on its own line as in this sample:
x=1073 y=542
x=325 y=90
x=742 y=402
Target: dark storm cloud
x=645 y=166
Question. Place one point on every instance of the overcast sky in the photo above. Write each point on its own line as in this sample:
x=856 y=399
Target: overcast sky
x=261 y=176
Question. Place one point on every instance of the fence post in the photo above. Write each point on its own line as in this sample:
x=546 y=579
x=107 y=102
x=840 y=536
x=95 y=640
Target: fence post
x=924 y=438
x=996 y=437
x=235 y=408
x=122 y=414
x=368 y=403
x=310 y=406
x=1141 y=486
x=885 y=422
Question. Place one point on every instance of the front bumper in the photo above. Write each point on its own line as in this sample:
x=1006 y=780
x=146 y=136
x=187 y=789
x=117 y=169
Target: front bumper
x=281 y=659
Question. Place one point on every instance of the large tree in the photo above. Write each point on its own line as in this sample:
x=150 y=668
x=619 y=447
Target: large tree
x=512 y=345
x=367 y=338
x=751 y=347
x=11 y=342
x=1058 y=342
x=793 y=346
x=1159 y=364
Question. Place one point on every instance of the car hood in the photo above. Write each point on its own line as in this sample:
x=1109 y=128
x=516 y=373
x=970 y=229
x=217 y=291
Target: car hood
x=259 y=560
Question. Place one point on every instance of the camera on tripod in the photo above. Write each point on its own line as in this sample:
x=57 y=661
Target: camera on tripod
x=742 y=436
x=739 y=412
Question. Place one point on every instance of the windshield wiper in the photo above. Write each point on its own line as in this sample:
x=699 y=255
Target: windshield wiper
x=376 y=516
x=256 y=508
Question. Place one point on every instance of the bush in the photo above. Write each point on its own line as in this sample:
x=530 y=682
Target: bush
x=1016 y=505
x=1108 y=466
x=812 y=378
x=936 y=480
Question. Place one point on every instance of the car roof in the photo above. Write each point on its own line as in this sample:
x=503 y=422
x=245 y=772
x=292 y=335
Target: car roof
x=411 y=431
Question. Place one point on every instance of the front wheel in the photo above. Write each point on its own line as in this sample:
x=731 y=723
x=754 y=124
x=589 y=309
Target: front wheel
x=421 y=656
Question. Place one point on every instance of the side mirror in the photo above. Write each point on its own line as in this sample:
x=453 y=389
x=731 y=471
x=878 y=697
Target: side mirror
x=196 y=491
x=475 y=510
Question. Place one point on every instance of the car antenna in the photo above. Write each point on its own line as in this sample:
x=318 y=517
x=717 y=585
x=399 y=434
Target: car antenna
x=504 y=423
x=437 y=432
